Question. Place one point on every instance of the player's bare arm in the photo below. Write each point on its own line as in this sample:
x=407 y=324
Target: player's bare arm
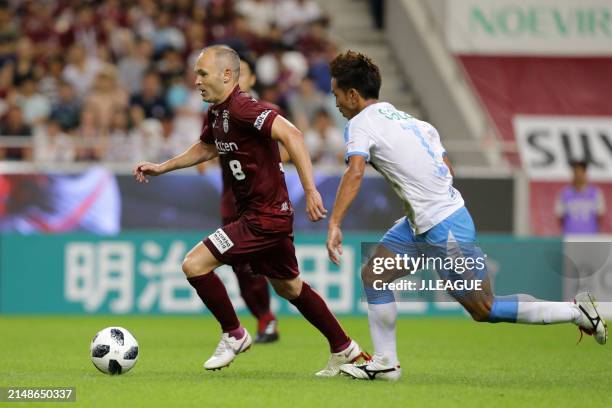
x=349 y=187
x=449 y=165
x=293 y=141
x=198 y=153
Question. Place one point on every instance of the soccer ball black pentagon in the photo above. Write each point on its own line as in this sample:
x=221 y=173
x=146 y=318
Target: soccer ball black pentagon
x=114 y=350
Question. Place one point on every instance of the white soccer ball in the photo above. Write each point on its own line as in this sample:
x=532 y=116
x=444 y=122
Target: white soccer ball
x=114 y=350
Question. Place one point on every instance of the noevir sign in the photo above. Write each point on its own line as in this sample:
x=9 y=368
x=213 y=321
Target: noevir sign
x=530 y=27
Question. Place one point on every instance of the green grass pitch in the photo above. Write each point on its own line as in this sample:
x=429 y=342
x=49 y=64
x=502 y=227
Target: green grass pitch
x=446 y=362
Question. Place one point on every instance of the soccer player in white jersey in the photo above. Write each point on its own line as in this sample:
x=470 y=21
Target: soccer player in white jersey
x=408 y=153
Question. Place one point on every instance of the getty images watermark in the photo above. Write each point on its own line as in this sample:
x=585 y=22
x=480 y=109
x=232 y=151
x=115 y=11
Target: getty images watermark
x=455 y=268
x=546 y=268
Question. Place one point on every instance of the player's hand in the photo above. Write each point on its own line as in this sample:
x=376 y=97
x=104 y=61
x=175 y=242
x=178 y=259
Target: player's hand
x=314 y=206
x=334 y=243
x=144 y=169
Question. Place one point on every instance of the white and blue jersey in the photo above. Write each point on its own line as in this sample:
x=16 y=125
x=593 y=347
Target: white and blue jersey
x=408 y=153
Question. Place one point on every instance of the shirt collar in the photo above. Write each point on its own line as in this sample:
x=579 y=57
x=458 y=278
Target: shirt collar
x=226 y=102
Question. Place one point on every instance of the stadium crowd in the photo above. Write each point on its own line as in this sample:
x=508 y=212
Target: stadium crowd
x=110 y=80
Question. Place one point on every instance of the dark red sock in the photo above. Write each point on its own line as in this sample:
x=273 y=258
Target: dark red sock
x=212 y=292
x=255 y=293
x=314 y=309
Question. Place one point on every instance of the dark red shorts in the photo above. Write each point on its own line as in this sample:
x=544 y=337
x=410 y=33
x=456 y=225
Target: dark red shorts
x=271 y=253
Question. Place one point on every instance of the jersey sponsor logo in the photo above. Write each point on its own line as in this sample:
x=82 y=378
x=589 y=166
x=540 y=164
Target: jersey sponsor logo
x=225 y=147
x=221 y=241
x=225 y=120
x=259 y=122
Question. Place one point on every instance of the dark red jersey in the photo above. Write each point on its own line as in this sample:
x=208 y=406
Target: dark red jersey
x=241 y=129
x=229 y=212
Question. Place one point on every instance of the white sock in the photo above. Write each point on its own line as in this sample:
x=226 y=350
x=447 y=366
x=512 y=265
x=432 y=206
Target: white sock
x=381 y=318
x=535 y=311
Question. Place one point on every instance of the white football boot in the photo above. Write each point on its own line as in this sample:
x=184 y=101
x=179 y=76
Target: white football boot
x=590 y=322
x=227 y=350
x=349 y=355
x=377 y=368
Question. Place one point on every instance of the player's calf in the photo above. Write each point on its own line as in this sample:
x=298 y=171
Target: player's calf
x=480 y=310
x=478 y=303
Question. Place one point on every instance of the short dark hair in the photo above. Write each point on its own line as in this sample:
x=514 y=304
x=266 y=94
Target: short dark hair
x=355 y=70
x=248 y=59
x=579 y=163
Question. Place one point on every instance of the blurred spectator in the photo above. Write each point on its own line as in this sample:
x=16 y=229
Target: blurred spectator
x=24 y=62
x=38 y=22
x=67 y=110
x=141 y=18
x=123 y=142
x=132 y=67
x=170 y=65
x=166 y=35
x=171 y=142
x=49 y=85
x=86 y=29
x=293 y=15
x=580 y=206
x=240 y=37
x=314 y=41
x=151 y=97
x=151 y=145
x=260 y=15
x=89 y=139
x=106 y=97
x=218 y=20
x=52 y=145
x=34 y=106
x=13 y=125
x=81 y=71
x=282 y=68
x=324 y=141
x=8 y=24
x=305 y=103
x=186 y=103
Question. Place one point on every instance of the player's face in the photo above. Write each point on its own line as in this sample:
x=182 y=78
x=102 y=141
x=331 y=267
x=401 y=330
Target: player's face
x=209 y=78
x=580 y=175
x=247 y=77
x=344 y=101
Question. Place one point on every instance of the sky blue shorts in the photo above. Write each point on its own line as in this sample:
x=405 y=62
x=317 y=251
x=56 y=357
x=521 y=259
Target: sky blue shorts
x=454 y=238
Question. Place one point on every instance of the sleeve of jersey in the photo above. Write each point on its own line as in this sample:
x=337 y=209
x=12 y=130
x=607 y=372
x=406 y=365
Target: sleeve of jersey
x=206 y=134
x=358 y=140
x=439 y=148
x=259 y=116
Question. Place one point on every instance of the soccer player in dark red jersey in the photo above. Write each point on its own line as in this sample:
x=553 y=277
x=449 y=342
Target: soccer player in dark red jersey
x=253 y=284
x=244 y=134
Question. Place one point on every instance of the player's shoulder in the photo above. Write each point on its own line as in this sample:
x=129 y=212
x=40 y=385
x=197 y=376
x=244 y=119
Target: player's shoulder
x=364 y=120
x=271 y=106
x=243 y=101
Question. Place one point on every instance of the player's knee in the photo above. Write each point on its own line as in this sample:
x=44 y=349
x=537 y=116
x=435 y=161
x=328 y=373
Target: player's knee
x=367 y=276
x=287 y=292
x=191 y=267
x=289 y=289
